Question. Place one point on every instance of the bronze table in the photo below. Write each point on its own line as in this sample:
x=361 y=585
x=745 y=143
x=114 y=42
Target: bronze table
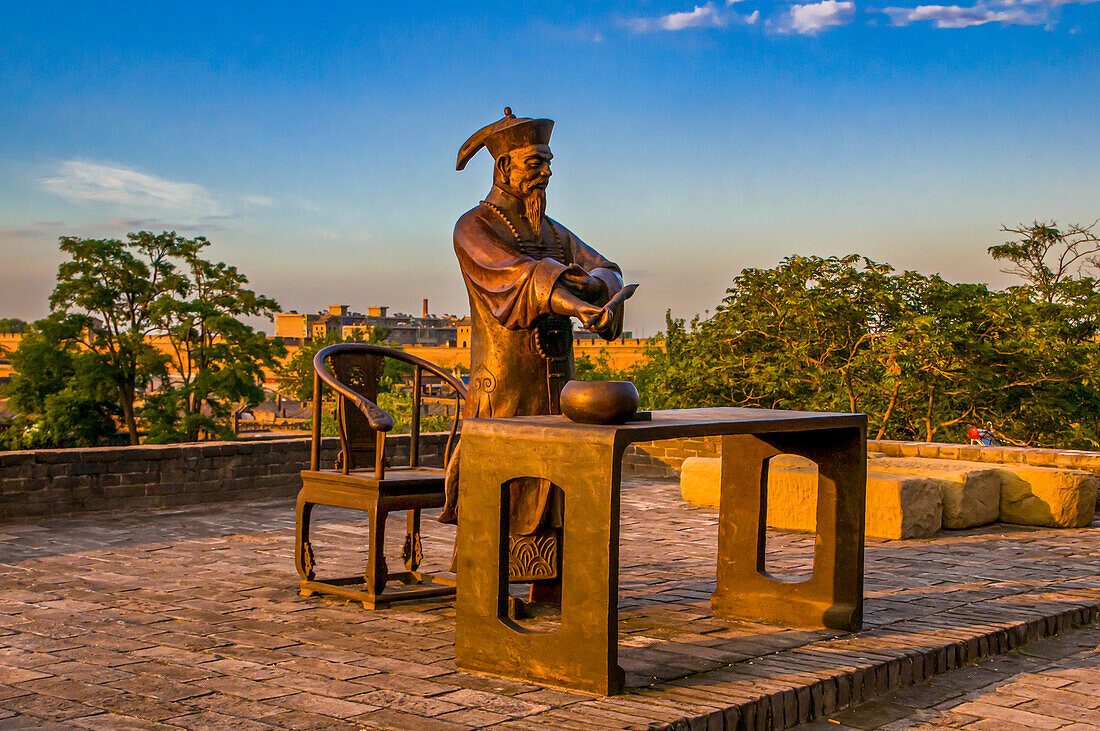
x=585 y=461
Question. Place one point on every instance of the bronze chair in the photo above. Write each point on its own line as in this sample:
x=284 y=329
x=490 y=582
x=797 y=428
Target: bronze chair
x=361 y=479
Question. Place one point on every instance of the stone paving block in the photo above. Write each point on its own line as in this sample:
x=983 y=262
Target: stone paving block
x=323 y=705
x=117 y=722
x=47 y=707
x=303 y=721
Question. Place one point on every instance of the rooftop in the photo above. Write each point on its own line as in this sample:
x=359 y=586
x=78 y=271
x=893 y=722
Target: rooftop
x=191 y=618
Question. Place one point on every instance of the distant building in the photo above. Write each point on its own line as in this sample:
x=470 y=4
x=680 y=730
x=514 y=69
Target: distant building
x=337 y=320
x=463 y=332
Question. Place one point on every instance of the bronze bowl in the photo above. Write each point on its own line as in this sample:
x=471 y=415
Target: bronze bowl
x=599 y=402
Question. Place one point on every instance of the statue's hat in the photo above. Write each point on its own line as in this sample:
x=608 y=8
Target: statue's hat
x=505 y=135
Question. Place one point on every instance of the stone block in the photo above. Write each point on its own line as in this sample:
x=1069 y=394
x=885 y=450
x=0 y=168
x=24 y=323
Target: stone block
x=902 y=506
x=16 y=459
x=947 y=451
x=970 y=452
x=898 y=505
x=928 y=450
x=1048 y=497
x=971 y=492
x=1041 y=457
x=701 y=480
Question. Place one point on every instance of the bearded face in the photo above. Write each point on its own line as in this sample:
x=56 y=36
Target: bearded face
x=528 y=175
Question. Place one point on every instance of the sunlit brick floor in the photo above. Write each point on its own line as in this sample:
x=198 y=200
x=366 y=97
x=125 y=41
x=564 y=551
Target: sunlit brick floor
x=1051 y=684
x=191 y=619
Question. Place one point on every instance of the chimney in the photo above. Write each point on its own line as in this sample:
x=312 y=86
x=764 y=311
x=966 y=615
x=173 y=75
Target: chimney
x=425 y=308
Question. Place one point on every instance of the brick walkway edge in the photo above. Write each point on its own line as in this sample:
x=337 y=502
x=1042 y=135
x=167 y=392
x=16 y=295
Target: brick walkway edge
x=868 y=670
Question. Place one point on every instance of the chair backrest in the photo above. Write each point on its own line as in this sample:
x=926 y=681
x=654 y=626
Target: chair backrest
x=362 y=373
x=355 y=376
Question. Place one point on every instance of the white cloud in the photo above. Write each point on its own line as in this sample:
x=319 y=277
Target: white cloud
x=955 y=16
x=1005 y=12
x=814 y=17
x=702 y=16
x=259 y=200
x=84 y=181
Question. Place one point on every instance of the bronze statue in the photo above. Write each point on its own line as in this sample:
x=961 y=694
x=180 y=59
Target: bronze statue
x=527 y=276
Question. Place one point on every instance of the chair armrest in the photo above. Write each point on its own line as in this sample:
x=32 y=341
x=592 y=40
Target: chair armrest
x=378 y=419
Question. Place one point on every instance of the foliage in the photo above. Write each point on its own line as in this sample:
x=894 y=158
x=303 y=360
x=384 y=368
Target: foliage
x=922 y=357
x=587 y=368
x=1052 y=261
x=117 y=299
x=117 y=284
x=398 y=404
x=216 y=359
x=59 y=389
x=12 y=325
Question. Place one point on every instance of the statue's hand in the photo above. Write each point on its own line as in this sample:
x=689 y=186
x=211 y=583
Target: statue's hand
x=584 y=285
x=595 y=318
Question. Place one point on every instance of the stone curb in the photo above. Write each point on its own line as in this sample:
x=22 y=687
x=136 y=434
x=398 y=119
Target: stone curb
x=801 y=694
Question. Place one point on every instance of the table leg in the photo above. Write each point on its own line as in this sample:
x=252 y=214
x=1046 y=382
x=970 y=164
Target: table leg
x=833 y=595
x=582 y=653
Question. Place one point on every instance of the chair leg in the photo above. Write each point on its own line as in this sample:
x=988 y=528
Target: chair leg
x=303 y=550
x=375 y=577
x=413 y=553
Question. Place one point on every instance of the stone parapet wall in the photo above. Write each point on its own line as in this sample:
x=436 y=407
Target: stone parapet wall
x=665 y=458
x=65 y=481
x=1064 y=458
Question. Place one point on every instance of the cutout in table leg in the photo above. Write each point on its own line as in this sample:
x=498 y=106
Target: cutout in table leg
x=790 y=503
x=534 y=553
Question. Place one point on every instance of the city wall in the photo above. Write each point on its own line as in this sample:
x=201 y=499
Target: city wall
x=40 y=483
x=621 y=353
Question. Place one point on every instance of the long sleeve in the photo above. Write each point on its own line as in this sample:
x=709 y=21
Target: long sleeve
x=606 y=271
x=515 y=288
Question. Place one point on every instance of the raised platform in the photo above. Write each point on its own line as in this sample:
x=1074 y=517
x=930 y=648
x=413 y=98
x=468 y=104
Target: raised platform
x=191 y=619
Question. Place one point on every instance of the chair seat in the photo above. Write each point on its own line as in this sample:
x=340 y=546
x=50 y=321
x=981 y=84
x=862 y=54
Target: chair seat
x=396 y=481
x=400 y=489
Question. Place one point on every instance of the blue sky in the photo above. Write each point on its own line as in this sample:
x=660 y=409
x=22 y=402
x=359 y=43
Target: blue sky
x=315 y=145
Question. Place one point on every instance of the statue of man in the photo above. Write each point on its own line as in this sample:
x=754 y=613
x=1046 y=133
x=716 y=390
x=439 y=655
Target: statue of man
x=527 y=276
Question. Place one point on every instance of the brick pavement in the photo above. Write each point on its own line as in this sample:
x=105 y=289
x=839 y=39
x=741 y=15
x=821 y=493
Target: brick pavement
x=190 y=619
x=1050 y=684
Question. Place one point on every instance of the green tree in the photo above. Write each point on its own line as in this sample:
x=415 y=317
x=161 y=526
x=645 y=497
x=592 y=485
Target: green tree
x=58 y=389
x=216 y=359
x=1052 y=261
x=922 y=357
x=117 y=283
x=12 y=325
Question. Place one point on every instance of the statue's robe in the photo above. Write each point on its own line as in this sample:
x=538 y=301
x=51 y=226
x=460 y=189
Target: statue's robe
x=521 y=352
